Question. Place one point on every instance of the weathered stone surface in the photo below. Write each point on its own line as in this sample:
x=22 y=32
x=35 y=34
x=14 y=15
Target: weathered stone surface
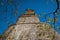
x=27 y=29
x=30 y=28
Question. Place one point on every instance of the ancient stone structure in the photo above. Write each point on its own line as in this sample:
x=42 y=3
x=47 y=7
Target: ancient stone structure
x=28 y=27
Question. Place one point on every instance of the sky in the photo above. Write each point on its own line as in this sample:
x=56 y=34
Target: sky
x=10 y=11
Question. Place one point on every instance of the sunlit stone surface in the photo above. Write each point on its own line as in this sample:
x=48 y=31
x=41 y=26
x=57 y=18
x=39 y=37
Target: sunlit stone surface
x=28 y=27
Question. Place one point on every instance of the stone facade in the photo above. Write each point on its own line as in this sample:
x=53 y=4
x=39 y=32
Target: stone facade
x=28 y=27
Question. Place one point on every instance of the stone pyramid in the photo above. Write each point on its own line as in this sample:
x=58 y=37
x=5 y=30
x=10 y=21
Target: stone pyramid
x=28 y=27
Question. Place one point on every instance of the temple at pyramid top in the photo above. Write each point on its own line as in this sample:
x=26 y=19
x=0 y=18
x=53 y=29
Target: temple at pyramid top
x=29 y=11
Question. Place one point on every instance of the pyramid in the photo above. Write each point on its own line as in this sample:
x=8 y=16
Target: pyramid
x=28 y=27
